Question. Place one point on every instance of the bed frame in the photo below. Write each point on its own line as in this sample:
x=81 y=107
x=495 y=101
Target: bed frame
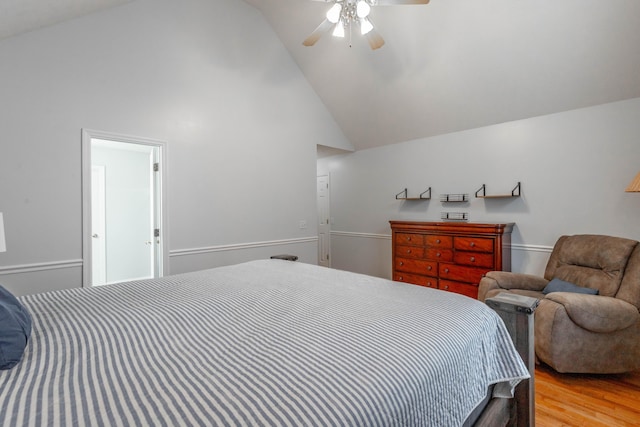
x=517 y=313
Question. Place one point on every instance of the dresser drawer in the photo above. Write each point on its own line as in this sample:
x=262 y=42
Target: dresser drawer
x=473 y=244
x=429 y=282
x=410 y=239
x=467 y=289
x=445 y=255
x=461 y=273
x=478 y=259
x=439 y=241
x=417 y=266
x=409 y=251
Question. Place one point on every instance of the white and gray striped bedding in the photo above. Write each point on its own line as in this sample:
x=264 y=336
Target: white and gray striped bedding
x=265 y=343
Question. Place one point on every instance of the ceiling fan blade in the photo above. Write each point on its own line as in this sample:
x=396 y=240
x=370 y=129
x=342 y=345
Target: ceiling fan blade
x=375 y=40
x=397 y=2
x=317 y=33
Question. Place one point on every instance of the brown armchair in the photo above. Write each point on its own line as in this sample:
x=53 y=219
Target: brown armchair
x=576 y=332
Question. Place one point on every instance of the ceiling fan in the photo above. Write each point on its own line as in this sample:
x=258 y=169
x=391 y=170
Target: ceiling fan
x=347 y=13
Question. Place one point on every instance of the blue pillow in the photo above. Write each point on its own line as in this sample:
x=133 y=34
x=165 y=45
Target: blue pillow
x=557 y=285
x=15 y=329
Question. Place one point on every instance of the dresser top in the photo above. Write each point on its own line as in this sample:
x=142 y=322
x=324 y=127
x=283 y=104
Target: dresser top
x=455 y=227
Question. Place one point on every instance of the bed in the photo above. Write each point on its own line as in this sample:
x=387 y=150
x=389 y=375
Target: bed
x=263 y=343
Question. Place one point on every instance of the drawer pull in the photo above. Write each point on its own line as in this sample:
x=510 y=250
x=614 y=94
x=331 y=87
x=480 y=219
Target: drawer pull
x=446 y=270
x=473 y=259
x=408 y=239
x=446 y=287
x=408 y=251
x=429 y=268
x=472 y=244
x=429 y=284
x=400 y=278
x=401 y=263
x=438 y=240
x=438 y=254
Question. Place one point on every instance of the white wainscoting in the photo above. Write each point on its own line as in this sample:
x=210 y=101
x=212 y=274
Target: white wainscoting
x=34 y=278
x=26 y=279
x=366 y=253
x=184 y=260
x=370 y=253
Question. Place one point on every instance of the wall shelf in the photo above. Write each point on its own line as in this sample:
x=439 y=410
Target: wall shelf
x=403 y=195
x=456 y=198
x=454 y=216
x=483 y=190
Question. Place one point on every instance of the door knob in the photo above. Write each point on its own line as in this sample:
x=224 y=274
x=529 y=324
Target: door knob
x=95 y=236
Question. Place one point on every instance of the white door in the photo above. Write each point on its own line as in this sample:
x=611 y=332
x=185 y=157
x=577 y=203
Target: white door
x=98 y=225
x=324 y=226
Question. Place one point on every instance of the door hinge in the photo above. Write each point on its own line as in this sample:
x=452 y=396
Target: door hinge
x=327 y=257
x=156 y=232
x=156 y=167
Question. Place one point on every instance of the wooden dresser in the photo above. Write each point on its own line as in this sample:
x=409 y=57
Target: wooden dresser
x=451 y=256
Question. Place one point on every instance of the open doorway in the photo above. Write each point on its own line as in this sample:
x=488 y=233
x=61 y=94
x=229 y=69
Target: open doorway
x=123 y=234
x=324 y=223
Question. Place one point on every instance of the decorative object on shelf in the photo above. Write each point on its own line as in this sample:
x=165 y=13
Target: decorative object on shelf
x=454 y=216
x=514 y=193
x=454 y=197
x=347 y=13
x=3 y=245
x=634 y=187
x=403 y=195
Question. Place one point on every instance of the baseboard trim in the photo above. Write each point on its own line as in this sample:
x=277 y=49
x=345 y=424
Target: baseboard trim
x=240 y=246
x=41 y=266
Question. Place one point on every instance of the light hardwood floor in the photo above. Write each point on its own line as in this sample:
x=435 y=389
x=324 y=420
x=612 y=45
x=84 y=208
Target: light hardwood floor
x=586 y=400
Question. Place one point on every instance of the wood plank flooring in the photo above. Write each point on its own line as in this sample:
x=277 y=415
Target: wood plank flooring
x=586 y=400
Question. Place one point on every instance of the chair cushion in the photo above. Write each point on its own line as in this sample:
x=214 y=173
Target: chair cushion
x=557 y=285
x=15 y=329
x=596 y=313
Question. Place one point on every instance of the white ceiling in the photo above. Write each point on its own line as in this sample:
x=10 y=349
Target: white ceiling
x=460 y=64
x=20 y=16
x=447 y=66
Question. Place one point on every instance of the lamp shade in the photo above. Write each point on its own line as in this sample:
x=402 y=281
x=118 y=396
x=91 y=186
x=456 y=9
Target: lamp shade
x=3 y=246
x=635 y=185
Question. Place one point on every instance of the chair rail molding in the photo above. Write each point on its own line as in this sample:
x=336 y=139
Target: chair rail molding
x=40 y=266
x=239 y=246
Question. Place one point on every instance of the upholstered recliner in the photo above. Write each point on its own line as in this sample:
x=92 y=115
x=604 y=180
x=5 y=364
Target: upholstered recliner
x=577 y=332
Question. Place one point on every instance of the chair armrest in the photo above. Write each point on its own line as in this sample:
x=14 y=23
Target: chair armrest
x=596 y=313
x=508 y=280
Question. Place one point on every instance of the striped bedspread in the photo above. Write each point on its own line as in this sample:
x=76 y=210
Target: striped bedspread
x=264 y=343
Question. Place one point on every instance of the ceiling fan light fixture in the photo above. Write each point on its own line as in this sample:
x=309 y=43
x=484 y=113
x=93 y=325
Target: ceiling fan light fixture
x=363 y=9
x=333 y=15
x=365 y=26
x=338 y=31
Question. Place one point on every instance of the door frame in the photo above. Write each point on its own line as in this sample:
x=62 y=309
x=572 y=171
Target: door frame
x=87 y=136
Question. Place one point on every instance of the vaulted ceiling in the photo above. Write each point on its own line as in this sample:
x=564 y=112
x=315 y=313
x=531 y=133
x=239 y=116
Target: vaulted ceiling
x=20 y=16
x=459 y=64
x=447 y=66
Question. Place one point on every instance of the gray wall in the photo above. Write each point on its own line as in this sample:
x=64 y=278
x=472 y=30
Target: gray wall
x=208 y=77
x=573 y=166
